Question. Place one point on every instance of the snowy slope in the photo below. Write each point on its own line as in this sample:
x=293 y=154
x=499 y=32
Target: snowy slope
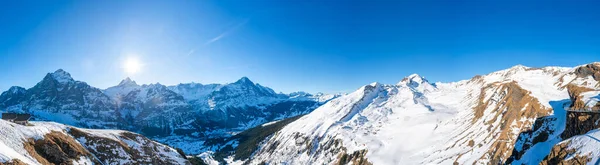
x=592 y=98
x=417 y=122
x=47 y=142
x=12 y=137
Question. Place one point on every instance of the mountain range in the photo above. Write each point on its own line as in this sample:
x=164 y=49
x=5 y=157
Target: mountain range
x=520 y=115
x=189 y=110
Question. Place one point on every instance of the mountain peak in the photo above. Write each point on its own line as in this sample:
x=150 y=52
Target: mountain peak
x=418 y=83
x=61 y=76
x=16 y=89
x=244 y=80
x=375 y=84
x=413 y=78
x=127 y=82
x=519 y=67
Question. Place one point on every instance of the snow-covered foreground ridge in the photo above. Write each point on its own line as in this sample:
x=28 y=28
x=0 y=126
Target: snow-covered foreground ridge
x=510 y=116
x=53 y=143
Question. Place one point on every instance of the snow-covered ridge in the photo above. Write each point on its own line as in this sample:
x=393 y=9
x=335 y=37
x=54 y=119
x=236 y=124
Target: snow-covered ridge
x=416 y=122
x=125 y=87
x=417 y=83
x=62 y=76
x=16 y=90
x=241 y=93
x=79 y=146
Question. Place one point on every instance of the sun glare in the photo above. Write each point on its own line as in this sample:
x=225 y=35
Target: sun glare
x=132 y=65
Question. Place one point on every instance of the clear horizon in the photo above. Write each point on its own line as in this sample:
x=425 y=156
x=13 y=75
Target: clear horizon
x=232 y=81
x=311 y=46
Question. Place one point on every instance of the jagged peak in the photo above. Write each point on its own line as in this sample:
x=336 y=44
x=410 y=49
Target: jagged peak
x=370 y=87
x=16 y=89
x=413 y=78
x=154 y=86
x=417 y=82
x=157 y=84
x=60 y=71
x=375 y=84
x=61 y=76
x=244 y=80
x=596 y=64
x=127 y=82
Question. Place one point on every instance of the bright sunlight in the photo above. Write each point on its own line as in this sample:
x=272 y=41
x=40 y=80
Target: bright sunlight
x=132 y=65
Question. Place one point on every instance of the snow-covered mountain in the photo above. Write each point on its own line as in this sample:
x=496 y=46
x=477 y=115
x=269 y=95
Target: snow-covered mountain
x=189 y=110
x=125 y=86
x=518 y=115
x=53 y=143
x=60 y=98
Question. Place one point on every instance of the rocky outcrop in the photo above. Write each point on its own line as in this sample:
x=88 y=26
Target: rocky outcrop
x=57 y=148
x=356 y=158
x=577 y=102
x=579 y=123
x=589 y=70
x=133 y=148
x=542 y=129
x=559 y=153
x=512 y=105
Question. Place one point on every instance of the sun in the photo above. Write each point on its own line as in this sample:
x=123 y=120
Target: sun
x=132 y=65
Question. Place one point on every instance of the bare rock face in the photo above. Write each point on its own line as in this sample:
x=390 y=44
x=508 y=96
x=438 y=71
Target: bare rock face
x=133 y=148
x=57 y=148
x=542 y=129
x=575 y=95
x=357 y=158
x=589 y=70
x=60 y=148
x=559 y=155
x=579 y=123
x=517 y=104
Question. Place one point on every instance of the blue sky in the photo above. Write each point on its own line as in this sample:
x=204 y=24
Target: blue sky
x=314 y=46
